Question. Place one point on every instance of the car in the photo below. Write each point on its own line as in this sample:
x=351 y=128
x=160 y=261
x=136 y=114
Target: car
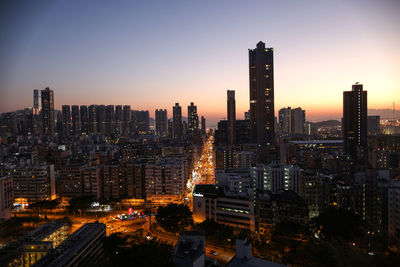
x=212 y=252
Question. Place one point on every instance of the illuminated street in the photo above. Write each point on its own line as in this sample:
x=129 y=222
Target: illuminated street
x=203 y=171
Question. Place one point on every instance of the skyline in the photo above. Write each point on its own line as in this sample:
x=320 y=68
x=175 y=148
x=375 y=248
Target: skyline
x=138 y=52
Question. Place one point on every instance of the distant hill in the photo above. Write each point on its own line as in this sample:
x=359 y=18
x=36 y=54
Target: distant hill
x=384 y=113
x=328 y=123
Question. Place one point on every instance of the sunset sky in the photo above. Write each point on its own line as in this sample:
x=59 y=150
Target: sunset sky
x=151 y=54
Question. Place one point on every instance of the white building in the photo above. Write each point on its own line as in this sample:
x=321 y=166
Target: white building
x=275 y=177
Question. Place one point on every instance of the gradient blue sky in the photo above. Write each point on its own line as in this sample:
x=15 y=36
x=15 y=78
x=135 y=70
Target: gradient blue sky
x=151 y=54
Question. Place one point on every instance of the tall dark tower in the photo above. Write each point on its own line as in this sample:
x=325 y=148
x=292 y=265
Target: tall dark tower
x=203 y=125
x=355 y=122
x=93 y=124
x=75 y=119
x=177 y=122
x=231 y=106
x=66 y=120
x=193 y=118
x=35 y=111
x=126 y=119
x=84 y=119
x=161 y=122
x=261 y=73
x=47 y=111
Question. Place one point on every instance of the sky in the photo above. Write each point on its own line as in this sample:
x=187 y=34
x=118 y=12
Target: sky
x=151 y=54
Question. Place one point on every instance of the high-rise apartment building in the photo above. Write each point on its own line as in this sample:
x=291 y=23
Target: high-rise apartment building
x=126 y=119
x=75 y=119
x=203 y=125
x=161 y=122
x=165 y=177
x=35 y=112
x=66 y=120
x=292 y=121
x=193 y=118
x=48 y=111
x=84 y=119
x=177 y=122
x=262 y=118
x=6 y=197
x=141 y=120
x=275 y=177
x=33 y=184
x=231 y=107
x=355 y=122
x=93 y=119
x=110 y=119
x=101 y=119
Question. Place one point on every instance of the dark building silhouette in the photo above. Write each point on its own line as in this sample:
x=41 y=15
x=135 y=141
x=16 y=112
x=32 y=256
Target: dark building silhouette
x=84 y=119
x=118 y=118
x=231 y=107
x=374 y=125
x=75 y=119
x=101 y=119
x=66 y=119
x=93 y=119
x=126 y=118
x=355 y=122
x=141 y=120
x=261 y=74
x=203 y=125
x=48 y=111
x=35 y=112
x=110 y=119
x=292 y=121
x=193 y=118
x=177 y=122
x=161 y=122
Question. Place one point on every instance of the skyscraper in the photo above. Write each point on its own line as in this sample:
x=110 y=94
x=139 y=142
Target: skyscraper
x=101 y=118
x=47 y=111
x=177 y=122
x=261 y=74
x=75 y=119
x=355 y=122
x=35 y=111
x=66 y=120
x=126 y=118
x=118 y=118
x=291 y=121
x=193 y=118
x=161 y=122
x=141 y=119
x=298 y=120
x=93 y=119
x=203 y=125
x=231 y=106
x=285 y=119
x=84 y=119
x=110 y=119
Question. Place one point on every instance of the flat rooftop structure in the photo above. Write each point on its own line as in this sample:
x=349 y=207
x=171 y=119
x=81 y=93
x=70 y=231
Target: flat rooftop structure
x=82 y=245
x=190 y=247
x=44 y=231
x=318 y=142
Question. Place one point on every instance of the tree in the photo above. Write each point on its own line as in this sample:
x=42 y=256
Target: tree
x=174 y=217
x=81 y=203
x=339 y=222
x=216 y=231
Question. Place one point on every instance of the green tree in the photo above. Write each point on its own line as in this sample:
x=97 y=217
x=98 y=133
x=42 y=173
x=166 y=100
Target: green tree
x=216 y=231
x=341 y=223
x=174 y=217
